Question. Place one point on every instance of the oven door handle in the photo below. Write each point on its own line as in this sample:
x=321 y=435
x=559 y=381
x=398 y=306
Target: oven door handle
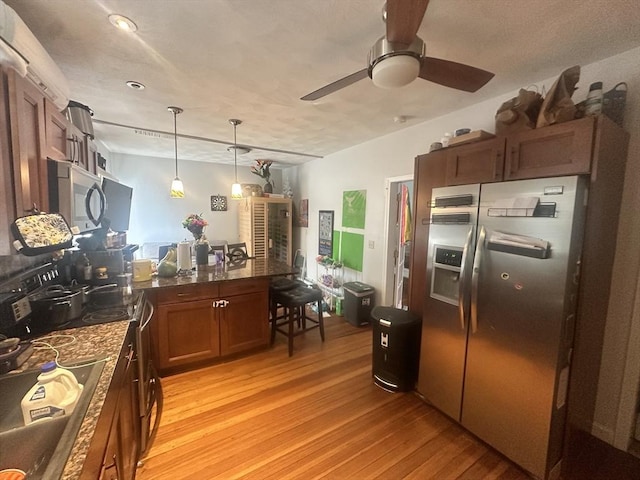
x=155 y=397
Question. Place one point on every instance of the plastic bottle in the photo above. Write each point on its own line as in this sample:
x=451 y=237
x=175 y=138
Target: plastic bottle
x=55 y=394
x=593 y=104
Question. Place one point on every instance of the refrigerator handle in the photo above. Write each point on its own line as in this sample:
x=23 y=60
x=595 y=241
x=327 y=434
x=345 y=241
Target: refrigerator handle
x=462 y=282
x=477 y=263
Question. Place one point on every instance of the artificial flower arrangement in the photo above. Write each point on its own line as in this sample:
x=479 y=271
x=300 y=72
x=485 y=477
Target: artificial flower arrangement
x=195 y=224
x=262 y=169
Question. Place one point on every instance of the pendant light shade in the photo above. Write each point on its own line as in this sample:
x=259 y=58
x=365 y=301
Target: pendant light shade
x=177 y=188
x=236 y=188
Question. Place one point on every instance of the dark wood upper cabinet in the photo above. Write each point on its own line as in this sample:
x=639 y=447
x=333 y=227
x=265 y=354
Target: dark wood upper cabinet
x=57 y=132
x=562 y=149
x=429 y=172
x=27 y=138
x=480 y=162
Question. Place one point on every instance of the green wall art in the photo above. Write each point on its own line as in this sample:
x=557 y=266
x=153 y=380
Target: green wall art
x=352 y=250
x=354 y=206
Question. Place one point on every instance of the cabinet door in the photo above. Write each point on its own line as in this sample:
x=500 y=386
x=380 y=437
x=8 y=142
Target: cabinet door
x=187 y=333
x=7 y=198
x=429 y=172
x=244 y=322
x=480 y=162
x=56 y=126
x=562 y=149
x=26 y=113
x=77 y=148
x=91 y=155
x=128 y=423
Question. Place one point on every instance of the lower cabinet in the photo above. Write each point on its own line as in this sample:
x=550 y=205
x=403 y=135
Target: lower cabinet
x=242 y=323
x=198 y=323
x=115 y=445
x=121 y=456
x=187 y=332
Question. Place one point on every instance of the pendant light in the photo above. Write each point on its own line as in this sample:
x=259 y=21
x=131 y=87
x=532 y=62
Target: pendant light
x=177 y=189
x=236 y=188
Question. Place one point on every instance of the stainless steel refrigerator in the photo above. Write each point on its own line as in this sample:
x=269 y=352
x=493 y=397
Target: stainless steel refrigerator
x=500 y=300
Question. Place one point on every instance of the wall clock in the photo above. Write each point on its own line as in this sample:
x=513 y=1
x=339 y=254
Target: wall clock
x=218 y=203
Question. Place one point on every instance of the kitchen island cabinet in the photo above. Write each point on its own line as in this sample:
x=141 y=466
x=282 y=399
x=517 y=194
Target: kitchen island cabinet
x=187 y=332
x=213 y=314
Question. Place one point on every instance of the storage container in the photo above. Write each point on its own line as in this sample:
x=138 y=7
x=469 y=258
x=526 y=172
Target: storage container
x=358 y=302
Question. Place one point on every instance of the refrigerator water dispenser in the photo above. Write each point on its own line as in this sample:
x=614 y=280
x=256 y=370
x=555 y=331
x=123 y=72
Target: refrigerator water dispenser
x=445 y=281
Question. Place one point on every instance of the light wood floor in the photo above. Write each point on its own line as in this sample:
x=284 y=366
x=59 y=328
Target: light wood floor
x=314 y=415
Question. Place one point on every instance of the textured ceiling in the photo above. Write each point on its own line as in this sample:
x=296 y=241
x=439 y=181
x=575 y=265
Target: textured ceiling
x=254 y=59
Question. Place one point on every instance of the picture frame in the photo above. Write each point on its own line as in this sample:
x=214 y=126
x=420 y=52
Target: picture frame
x=218 y=254
x=325 y=232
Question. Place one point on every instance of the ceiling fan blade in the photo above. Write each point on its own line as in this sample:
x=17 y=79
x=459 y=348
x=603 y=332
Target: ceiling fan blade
x=454 y=75
x=403 y=19
x=337 y=85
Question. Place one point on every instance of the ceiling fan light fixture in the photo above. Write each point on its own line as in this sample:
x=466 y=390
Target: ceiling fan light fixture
x=395 y=71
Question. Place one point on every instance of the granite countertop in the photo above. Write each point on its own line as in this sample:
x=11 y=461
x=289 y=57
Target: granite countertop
x=246 y=269
x=92 y=342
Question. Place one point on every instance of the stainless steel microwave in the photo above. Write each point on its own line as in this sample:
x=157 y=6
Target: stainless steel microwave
x=76 y=194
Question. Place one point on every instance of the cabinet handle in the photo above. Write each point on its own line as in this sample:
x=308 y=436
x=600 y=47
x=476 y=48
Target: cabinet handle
x=220 y=303
x=184 y=294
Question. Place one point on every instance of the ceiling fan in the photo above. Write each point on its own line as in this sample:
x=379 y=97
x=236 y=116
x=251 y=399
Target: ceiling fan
x=399 y=57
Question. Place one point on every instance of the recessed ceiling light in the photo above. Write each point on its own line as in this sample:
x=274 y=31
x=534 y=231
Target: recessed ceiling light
x=135 y=85
x=122 y=22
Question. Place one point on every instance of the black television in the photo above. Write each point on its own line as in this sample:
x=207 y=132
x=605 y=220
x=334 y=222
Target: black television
x=118 y=204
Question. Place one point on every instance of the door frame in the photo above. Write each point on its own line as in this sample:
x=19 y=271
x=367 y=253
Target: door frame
x=388 y=269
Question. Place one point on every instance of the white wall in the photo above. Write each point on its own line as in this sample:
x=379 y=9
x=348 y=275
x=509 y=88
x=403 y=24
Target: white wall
x=366 y=166
x=155 y=217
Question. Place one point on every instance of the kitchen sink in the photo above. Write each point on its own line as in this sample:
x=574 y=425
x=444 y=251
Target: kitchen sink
x=42 y=448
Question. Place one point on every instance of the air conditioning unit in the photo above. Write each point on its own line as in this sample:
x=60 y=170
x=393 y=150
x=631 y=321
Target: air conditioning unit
x=21 y=50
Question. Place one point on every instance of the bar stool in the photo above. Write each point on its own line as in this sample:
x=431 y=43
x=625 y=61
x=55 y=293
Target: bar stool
x=295 y=302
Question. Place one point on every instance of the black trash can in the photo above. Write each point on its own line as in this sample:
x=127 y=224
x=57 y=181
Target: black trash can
x=396 y=348
x=358 y=302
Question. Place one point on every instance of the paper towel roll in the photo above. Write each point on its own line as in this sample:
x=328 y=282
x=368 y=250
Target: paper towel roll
x=184 y=256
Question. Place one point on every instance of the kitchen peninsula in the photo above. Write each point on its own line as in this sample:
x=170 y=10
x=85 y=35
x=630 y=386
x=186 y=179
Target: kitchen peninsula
x=216 y=312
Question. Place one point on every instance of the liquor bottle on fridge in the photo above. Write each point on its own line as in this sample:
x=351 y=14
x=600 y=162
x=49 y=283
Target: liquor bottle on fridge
x=497 y=327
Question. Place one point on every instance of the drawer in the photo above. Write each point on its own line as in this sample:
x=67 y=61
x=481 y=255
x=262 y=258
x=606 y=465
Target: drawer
x=240 y=287
x=182 y=293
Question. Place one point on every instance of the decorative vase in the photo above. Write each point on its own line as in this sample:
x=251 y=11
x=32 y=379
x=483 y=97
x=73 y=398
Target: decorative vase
x=168 y=267
x=197 y=232
x=268 y=188
x=202 y=253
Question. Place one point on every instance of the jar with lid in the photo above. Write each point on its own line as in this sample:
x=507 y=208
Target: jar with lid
x=593 y=103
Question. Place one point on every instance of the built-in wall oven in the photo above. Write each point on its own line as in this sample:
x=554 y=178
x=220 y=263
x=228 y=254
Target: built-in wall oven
x=149 y=386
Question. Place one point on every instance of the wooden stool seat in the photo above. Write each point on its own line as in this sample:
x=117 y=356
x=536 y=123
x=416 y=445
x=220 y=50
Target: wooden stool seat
x=294 y=302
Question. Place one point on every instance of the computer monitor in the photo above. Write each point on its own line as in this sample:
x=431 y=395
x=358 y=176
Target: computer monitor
x=118 y=204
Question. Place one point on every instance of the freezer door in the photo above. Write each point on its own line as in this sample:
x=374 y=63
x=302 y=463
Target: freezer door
x=522 y=301
x=445 y=317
